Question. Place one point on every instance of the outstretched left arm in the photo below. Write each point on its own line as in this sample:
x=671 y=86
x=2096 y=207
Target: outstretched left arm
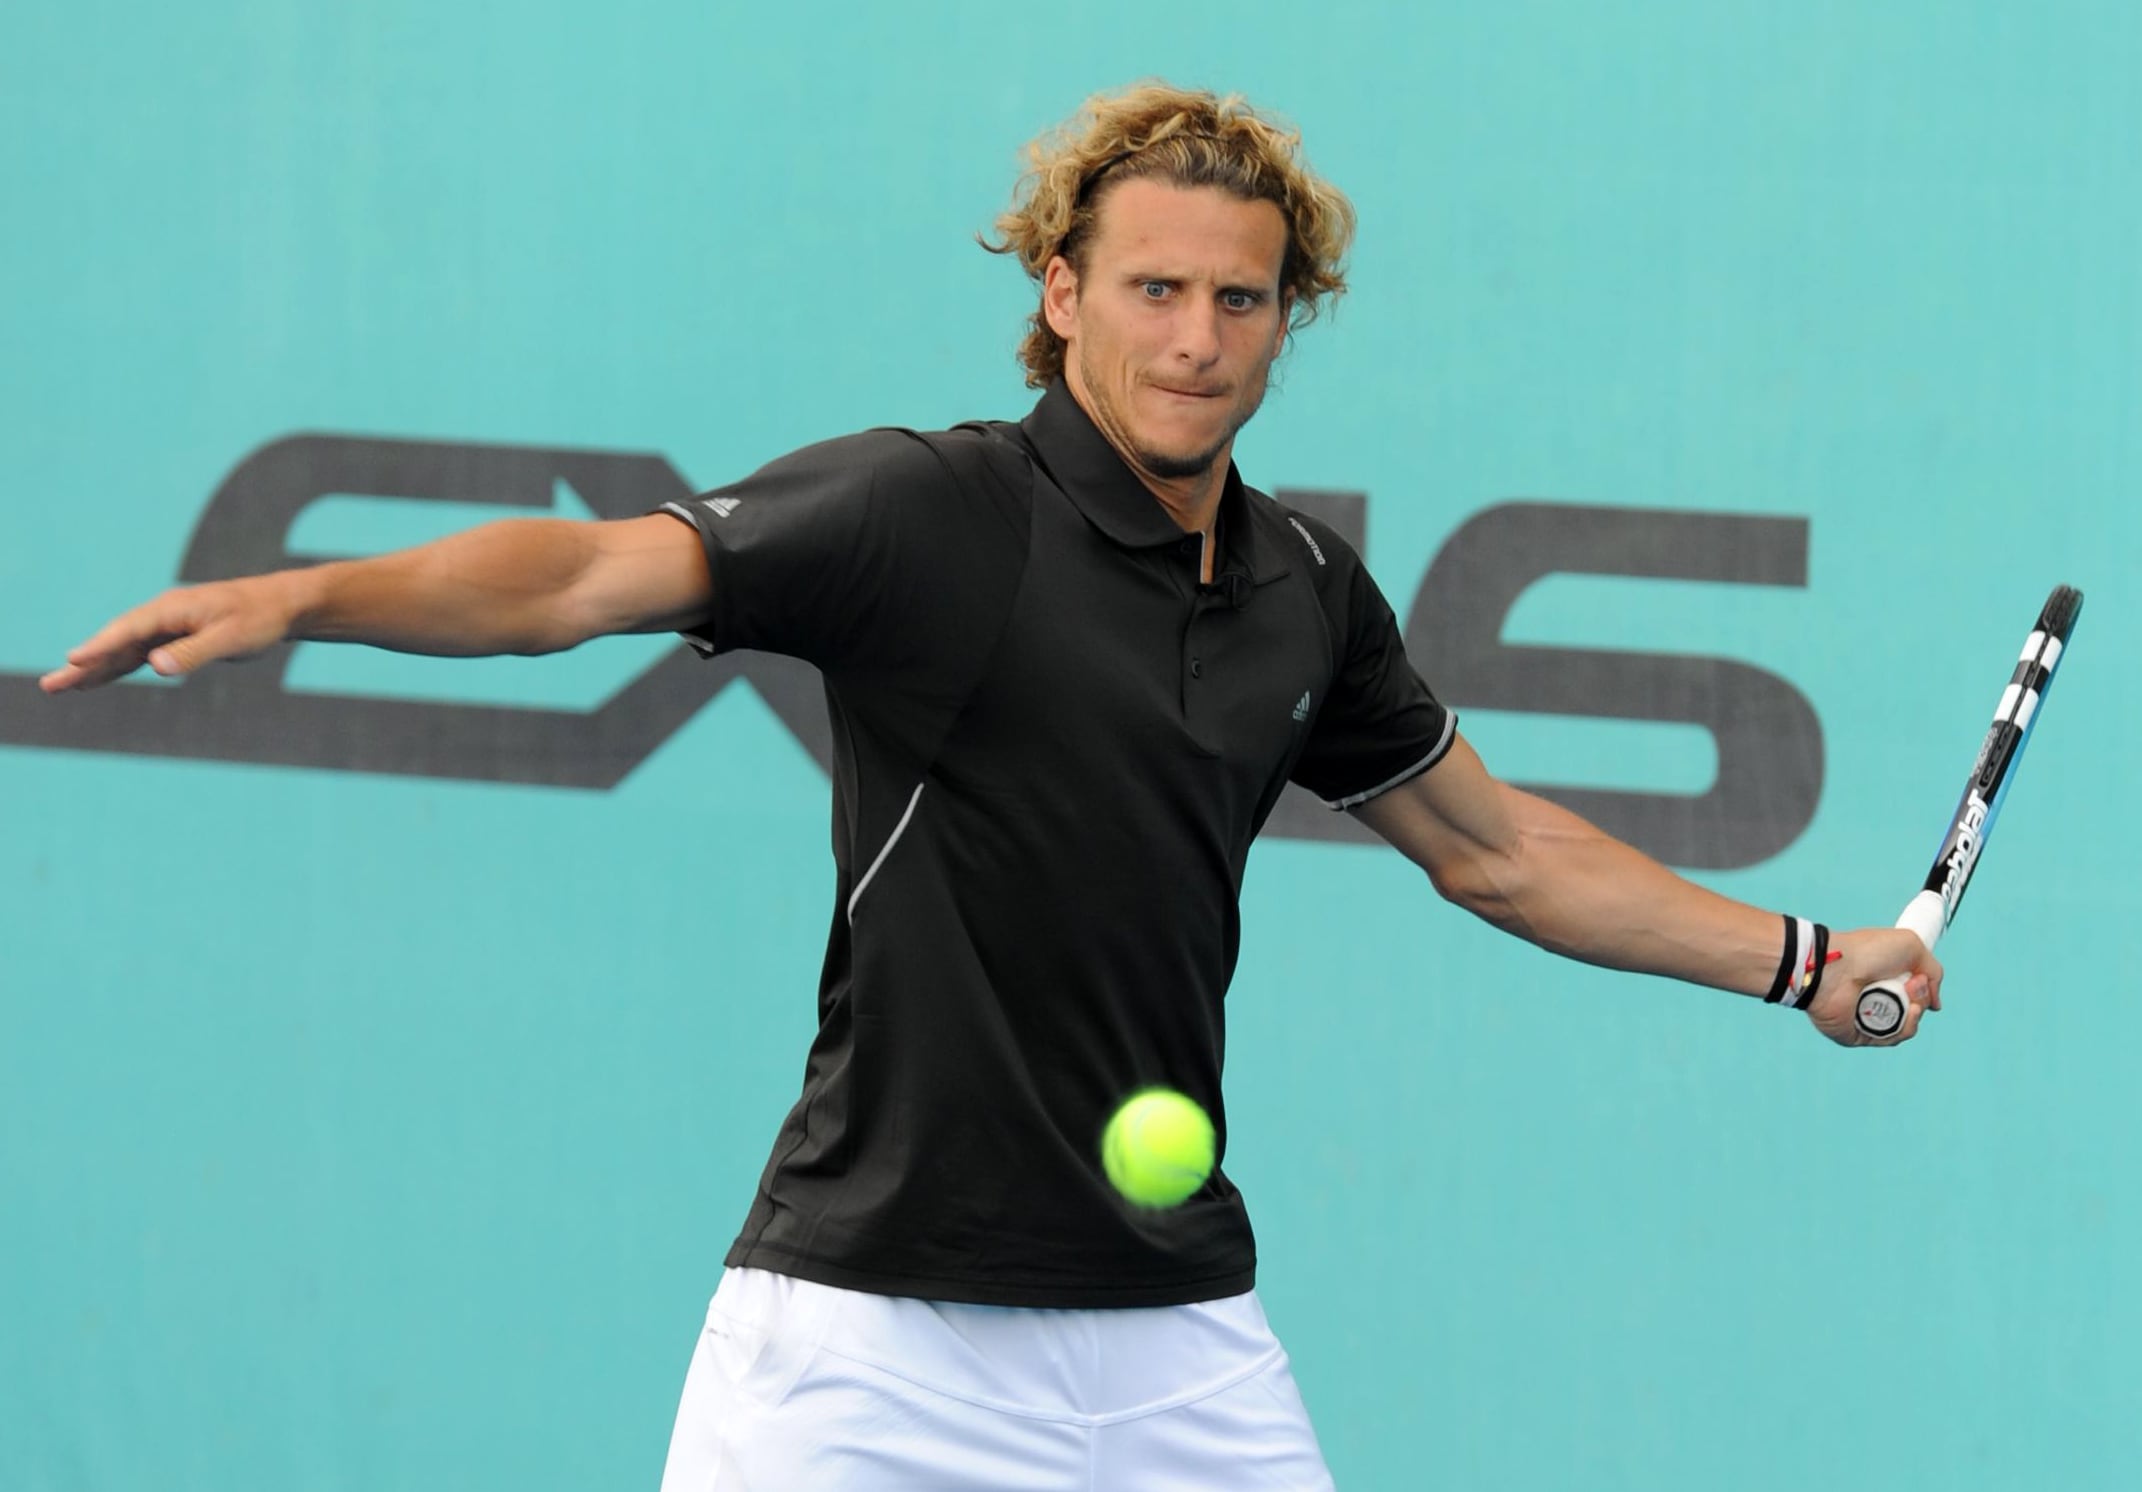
x=1541 y=872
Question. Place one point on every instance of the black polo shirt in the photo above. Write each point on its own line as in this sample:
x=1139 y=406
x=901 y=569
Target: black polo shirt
x=1053 y=747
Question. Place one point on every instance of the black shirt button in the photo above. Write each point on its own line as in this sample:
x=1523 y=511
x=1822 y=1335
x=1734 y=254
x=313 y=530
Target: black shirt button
x=1197 y=668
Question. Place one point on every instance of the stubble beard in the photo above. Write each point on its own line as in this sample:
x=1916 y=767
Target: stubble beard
x=1176 y=468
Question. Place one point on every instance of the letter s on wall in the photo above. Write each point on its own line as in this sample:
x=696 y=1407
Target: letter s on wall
x=1769 y=740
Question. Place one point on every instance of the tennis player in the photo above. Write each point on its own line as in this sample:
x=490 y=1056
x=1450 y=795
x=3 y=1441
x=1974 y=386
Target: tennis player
x=1072 y=662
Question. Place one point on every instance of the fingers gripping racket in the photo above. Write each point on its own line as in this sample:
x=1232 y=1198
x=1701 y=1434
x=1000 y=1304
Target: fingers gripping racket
x=1882 y=1006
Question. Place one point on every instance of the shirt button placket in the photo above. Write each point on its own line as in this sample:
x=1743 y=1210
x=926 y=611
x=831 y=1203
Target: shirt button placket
x=1192 y=549
x=1198 y=696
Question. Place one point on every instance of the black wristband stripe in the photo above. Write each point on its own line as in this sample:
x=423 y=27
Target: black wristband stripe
x=1779 y=985
x=1816 y=964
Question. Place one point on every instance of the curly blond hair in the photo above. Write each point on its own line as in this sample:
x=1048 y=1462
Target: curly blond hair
x=1186 y=137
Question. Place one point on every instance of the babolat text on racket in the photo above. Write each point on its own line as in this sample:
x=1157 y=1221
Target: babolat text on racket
x=1882 y=1006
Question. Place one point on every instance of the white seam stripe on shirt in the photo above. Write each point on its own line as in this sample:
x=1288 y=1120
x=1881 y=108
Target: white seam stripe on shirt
x=1436 y=754
x=898 y=829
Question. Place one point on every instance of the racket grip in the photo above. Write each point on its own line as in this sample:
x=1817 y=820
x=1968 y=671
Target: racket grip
x=1883 y=1004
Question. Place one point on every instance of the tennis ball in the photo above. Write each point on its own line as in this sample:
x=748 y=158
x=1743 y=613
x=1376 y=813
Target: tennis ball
x=1157 y=1149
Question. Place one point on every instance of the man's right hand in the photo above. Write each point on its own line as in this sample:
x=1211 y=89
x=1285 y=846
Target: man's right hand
x=181 y=630
x=1866 y=956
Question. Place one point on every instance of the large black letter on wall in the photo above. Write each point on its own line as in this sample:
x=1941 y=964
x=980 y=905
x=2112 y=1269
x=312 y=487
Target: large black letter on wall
x=244 y=714
x=1769 y=740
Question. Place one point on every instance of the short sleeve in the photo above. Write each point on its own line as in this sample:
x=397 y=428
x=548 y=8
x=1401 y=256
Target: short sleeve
x=814 y=555
x=1380 y=724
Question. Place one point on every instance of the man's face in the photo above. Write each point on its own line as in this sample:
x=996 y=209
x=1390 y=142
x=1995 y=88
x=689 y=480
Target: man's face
x=1171 y=328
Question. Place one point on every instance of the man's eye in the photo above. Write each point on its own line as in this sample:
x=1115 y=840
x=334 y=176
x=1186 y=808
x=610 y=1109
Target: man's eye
x=1154 y=289
x=1238 y=300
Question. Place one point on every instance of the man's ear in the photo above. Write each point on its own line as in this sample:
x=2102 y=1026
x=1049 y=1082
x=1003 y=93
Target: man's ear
x=1059 y=297
x=1286 y=322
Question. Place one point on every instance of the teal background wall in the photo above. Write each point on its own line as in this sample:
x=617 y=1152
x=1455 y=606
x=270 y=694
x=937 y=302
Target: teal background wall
x=363 y=1132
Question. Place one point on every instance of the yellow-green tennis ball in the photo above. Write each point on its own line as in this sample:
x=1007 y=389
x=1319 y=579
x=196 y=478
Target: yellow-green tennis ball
x=1157 y=1149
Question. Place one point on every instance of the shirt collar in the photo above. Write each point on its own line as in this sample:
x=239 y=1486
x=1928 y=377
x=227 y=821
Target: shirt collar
x=1081 y=461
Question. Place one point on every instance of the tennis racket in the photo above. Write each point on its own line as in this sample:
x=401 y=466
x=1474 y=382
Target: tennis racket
x=1882 y=1006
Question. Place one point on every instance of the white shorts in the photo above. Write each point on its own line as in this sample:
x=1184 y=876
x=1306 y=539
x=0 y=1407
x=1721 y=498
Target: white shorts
x=800 y=1387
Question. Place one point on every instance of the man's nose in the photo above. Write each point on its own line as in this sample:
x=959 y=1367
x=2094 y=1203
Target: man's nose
x=1197 y=332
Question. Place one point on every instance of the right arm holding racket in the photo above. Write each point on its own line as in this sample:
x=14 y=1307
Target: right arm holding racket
x=526 y=585
x=1539 y=871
